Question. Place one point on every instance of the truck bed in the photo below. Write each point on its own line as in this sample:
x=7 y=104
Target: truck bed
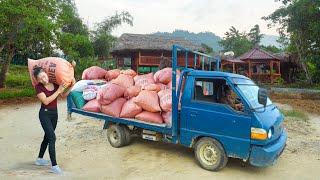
x=162 y=128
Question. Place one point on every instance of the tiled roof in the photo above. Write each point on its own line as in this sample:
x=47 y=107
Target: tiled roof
x=258 y=54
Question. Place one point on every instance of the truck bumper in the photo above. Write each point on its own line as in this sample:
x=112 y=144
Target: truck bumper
x=263 y=156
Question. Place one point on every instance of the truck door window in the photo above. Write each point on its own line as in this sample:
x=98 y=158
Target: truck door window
x=203 y=90
x=216 y=91
x=230 y=98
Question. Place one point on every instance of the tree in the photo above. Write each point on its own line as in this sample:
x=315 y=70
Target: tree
x=255 y=36
x=102 y=39
x=299 y=23
x=75 y=46
x=271 y=48
x=69 y=20
x=25 y=25
x=236 y=42
x=208 y=49
x=73 y=39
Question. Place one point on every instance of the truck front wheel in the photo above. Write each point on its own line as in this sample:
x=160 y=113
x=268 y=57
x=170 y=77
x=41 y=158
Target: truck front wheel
x=116 y=136
x=210 y=154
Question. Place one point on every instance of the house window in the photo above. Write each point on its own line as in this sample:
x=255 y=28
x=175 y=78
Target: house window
x=126 y=63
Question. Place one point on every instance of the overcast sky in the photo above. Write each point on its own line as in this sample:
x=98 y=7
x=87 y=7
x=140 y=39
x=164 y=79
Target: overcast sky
x=150 y=16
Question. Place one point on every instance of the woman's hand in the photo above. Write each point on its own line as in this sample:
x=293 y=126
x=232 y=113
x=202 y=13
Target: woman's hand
x=61 y=88
x=66 y=93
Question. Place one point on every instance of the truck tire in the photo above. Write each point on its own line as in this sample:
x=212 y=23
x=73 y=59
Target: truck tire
x=210 y=154
x=116 y=136
x=127 y=133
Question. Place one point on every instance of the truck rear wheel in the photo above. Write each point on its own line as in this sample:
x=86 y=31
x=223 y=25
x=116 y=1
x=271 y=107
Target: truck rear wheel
x=116 y=136
x=210 y=154
x=127 y=133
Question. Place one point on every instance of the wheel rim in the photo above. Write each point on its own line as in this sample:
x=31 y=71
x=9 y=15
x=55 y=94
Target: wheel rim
x=208 y=154
x=114 y=138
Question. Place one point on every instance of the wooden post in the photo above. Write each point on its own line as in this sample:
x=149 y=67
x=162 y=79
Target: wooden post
x=139 y=59
x=271 y=73
x=233 y=68
x=250 y=70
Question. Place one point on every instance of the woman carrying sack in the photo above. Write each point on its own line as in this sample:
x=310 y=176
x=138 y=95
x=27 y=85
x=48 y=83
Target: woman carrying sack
x=48 y=93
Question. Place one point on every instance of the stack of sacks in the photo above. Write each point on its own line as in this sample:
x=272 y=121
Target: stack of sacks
x=164 y=76
x=93 y=80
x=128 y=95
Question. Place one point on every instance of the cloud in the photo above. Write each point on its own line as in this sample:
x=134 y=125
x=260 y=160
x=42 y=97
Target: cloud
x=193 y=15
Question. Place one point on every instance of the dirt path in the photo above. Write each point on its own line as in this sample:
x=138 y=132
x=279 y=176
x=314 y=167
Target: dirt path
x=83 y=152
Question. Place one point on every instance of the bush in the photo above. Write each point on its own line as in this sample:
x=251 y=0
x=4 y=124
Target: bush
x=109 y=64
x=279 y=81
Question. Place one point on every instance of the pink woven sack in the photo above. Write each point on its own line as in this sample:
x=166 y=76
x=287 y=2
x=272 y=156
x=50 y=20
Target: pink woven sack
x=148 y=100
x=150 y=117
x=130 y=109
x=94 y=72
x=114 y=108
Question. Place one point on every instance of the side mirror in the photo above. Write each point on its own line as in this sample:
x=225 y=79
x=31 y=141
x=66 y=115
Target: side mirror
x=262 y=96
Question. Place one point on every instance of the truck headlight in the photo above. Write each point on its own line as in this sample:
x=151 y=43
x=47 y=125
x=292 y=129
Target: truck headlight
x=259 y=134
x=269 y=133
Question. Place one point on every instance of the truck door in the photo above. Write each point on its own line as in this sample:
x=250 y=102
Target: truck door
x=205 y=112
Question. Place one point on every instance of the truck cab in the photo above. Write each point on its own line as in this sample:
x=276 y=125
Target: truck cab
x=227 y=115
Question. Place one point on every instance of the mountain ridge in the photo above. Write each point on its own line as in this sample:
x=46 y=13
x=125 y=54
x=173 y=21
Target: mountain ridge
x=211 y=39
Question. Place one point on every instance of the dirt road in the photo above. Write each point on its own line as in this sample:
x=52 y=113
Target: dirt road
x=83 y=152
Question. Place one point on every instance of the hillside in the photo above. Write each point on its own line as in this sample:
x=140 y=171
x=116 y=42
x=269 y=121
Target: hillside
x=212 y=39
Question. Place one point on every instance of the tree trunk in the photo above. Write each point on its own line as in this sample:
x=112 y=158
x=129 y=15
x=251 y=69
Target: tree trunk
x=5 y=68
x=303 y=63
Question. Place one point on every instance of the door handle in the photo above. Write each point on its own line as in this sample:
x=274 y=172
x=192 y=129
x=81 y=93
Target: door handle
x=193 y=113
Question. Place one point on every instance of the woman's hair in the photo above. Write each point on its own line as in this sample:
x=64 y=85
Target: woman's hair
x=36 y=71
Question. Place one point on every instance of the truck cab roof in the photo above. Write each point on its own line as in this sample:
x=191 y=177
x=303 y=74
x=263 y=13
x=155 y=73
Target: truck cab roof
x=216 y=74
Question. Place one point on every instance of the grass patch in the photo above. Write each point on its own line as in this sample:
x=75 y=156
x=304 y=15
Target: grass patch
x=300 y=85
x=295 y=114
x=18 y=83
x=11 y=93
x=18 y=77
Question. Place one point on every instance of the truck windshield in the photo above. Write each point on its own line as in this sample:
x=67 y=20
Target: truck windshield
x=251 y=94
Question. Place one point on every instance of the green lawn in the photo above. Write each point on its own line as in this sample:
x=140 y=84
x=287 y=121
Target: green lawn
x=18 y=83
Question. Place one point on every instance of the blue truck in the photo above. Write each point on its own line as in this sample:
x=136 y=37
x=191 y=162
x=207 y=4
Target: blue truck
x=250 y=129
